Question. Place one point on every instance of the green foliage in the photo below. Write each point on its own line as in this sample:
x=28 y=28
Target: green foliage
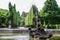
x=4 y=13
x=11 y=15
x=6 y=39
x=22 y=18
x=49 y=15
x=31 y=39
x=4 y=17
x=18 y=18
x=50 y=8
x=30 y=16
x=55 y=38
x=52 y=38
x=50 y=12
x=14 y=16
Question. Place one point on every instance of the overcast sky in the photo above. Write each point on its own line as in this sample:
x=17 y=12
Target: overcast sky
x=24 y=5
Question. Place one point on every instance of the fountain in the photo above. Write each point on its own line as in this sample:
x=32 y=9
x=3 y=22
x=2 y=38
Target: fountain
x=38 y=31
x=23 y=33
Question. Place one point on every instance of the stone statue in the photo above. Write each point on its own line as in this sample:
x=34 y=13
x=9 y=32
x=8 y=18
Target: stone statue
x=38 y=30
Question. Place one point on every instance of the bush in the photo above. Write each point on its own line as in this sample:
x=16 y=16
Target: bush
x=55 y=38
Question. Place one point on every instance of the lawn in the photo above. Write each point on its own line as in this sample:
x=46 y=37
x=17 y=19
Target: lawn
x=6 y=39
x=52 y=38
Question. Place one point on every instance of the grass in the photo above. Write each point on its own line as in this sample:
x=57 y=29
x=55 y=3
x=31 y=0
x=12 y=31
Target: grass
x=31 y=39
x=55 y=38
x=52 y=38
x=6 y=39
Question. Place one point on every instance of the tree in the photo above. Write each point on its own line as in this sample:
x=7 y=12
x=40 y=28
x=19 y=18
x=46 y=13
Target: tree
x=30 y=16
x=49 y=12
x=22 y=20
x=18 y=18
x=50 y=7
x=14 y=16
x=4 y=17
x=11 y=13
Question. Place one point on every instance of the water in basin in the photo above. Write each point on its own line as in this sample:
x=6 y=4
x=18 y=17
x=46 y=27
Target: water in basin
x=17 y=37
x=17 y=34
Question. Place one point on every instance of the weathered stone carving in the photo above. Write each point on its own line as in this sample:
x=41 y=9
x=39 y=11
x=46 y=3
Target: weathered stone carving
x=38 y=30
